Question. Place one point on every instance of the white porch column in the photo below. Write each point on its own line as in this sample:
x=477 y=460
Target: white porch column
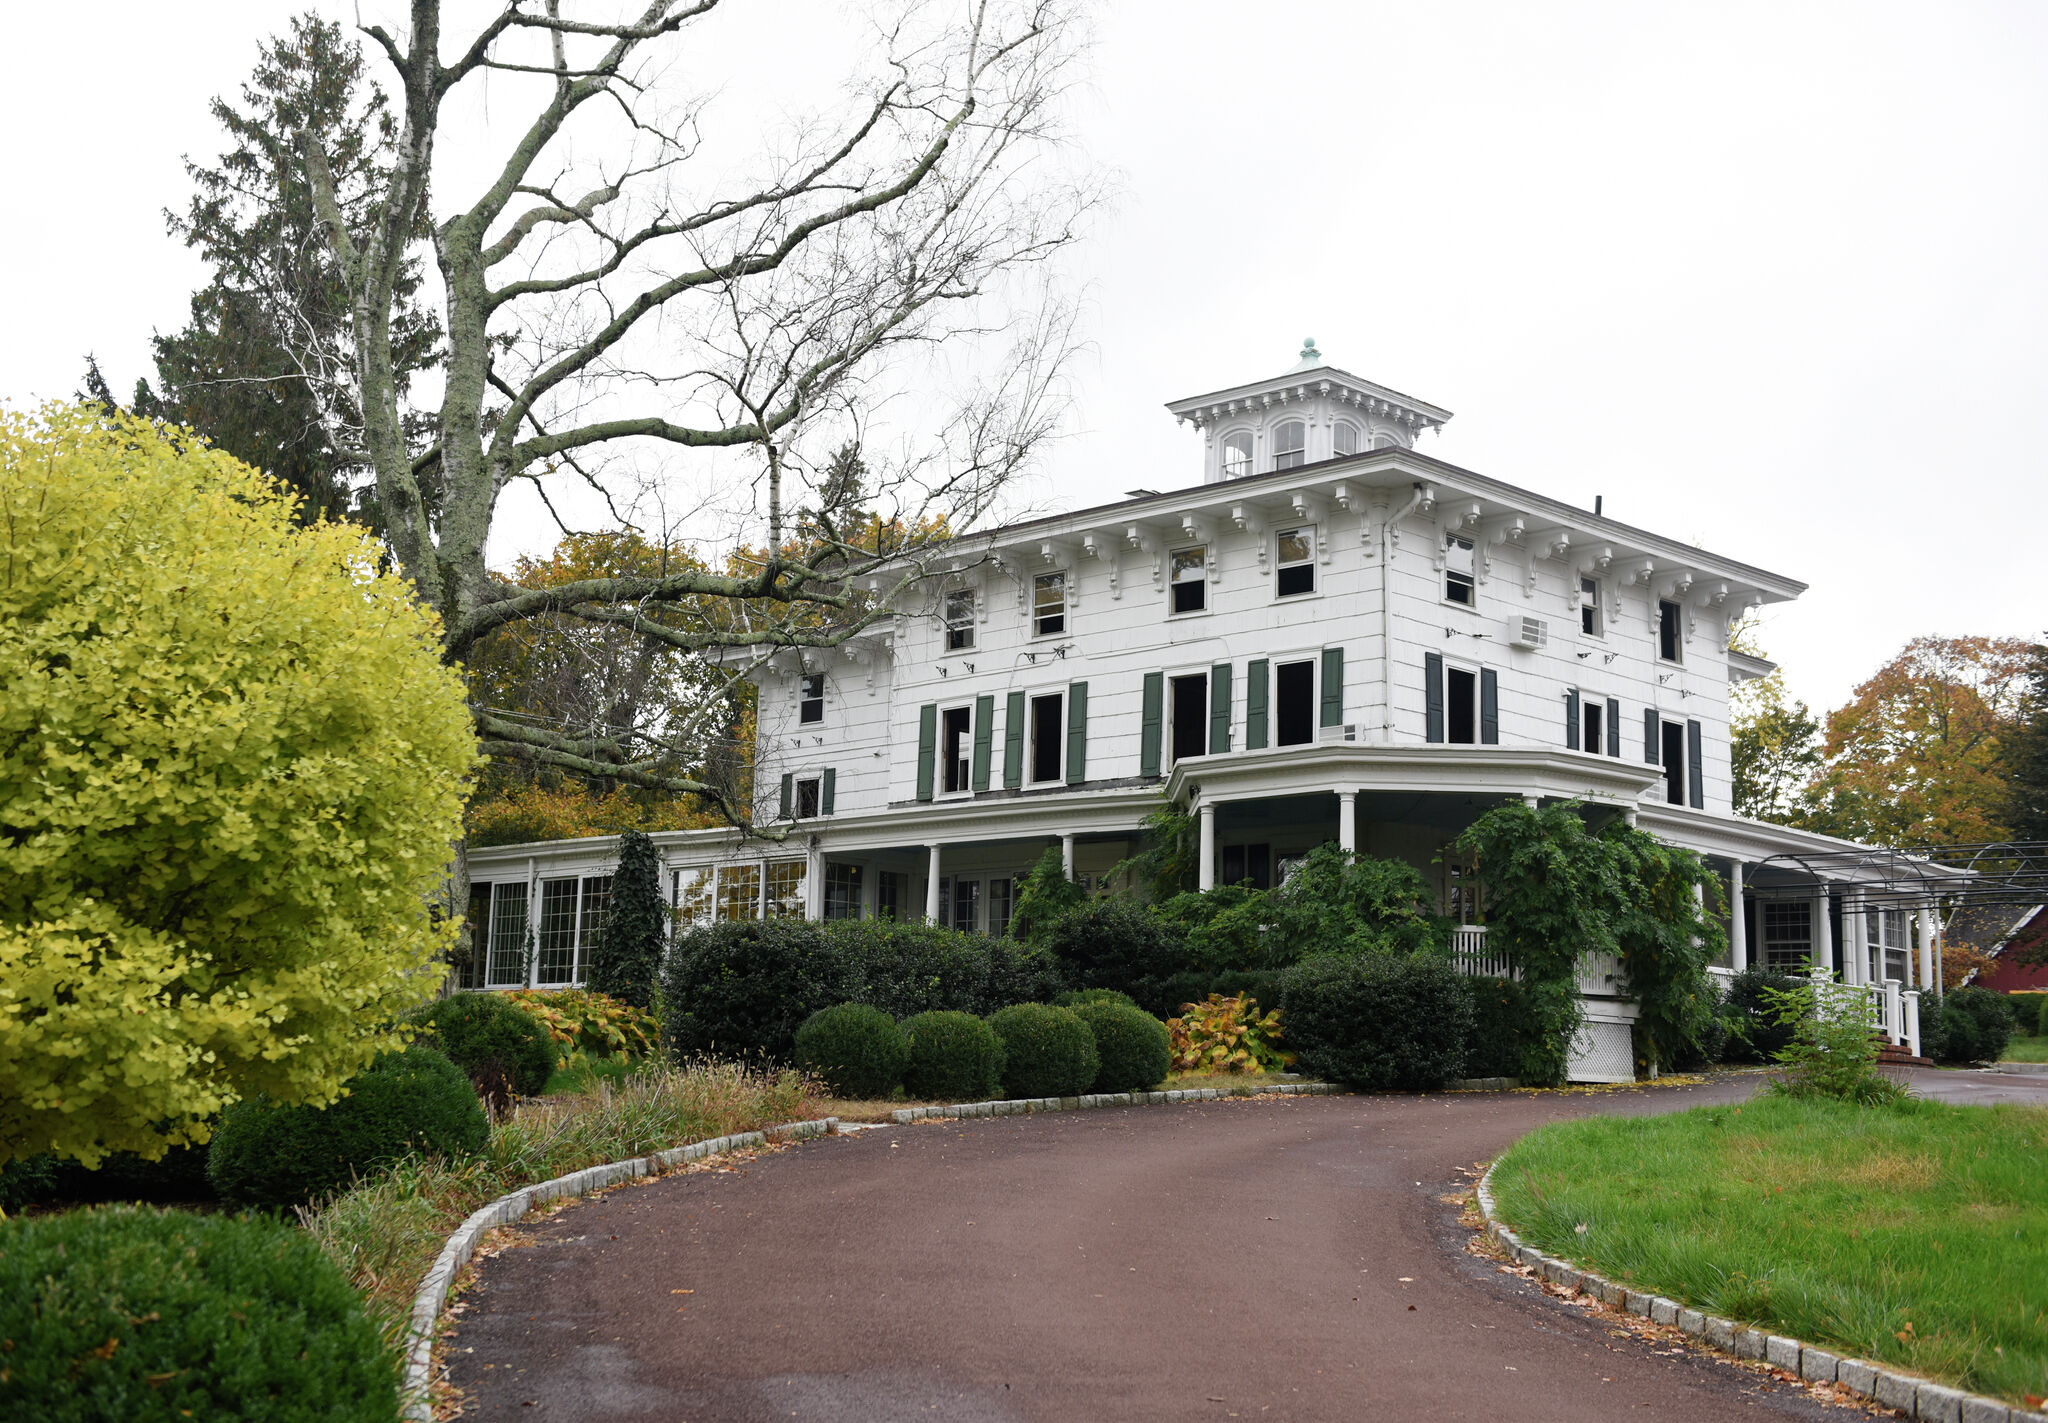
x=1738 y=928
x=814 y=881
x=1067 y=854
x=1206 y=876
x=931 y=889
x=1855 y=950
x=1823 y=932
x=1912 y=1001
x=1347 y=821
x=1930 y=966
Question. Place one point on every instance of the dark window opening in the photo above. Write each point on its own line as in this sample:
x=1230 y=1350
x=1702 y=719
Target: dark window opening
x=1191 y=596
x=959 y=621
x=1461 y=697
x=1190 y=717
x=1049 y=604
x=842 y=891
x=1248 y=862
x=1045 y=737
x=812 y=707
x=1589 y=607
x=1458 y=584
x=1458 y=588
x=1297 y=550
x=999 y=901
x=1668 y=640
x=958 y=731
x=966 y=904
x=1674 y=763
x=1294 y=703
x=1190 y=579
x=807 y=799
x=888 y=895
x=1595 y=717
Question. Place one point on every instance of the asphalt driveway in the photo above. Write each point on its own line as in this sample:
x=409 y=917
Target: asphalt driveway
x=1286 y=1259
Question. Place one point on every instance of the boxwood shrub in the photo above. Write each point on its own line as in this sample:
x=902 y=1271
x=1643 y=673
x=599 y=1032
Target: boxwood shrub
x=857 y=1051
x=742 y=988
x=145 y=1315
x=1047 y=1051
x=954 y=1057
x=1378 y=1020
x=1132 y=1047
x=1119 y=944
x=496 y=1042
x=264 y=1154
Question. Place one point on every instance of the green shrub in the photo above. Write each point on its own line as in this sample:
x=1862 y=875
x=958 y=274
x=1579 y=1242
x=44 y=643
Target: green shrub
x=2041 y=1022
x=1130 y=1044
x=268 y=1155
x=1977 y=1023
x=1754 y=1032
x=627 y=955
x=1834 y=1046
x=1502 y=1031
x=1047 y=1051
x=1115 y=943
x=27 y=1180
x=954 y=1057
x=855 y=1050
x=144 y=1315
x=1378 y=1020
x=500 y=1045
x=1259 y=985
x=1075 y=997
x=741 y=989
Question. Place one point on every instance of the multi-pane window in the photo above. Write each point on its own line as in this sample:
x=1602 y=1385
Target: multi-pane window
x=1589 y=607
x=1464 y=902
x=1001 y=899
x=1237 y=455
x=555 y=939
x=508 y=936
x=1297 y=571
x=966 y=904
x=597 y=902
x=1047 y=721
x=1885 y=932
x=889 y=895
x=1290 y=444
x=842 y=891
x=1669 y=638
x=1458 y=585
x=811 y=706
x=693 y=896
x=1189 y=569
x=739 y=892
x=955 y=742
x=1344 y=438
x=807 y=798
x=1243 y=863
x=1049 y=604
x=785 y=889
x=1787 y=933
x=959 y=620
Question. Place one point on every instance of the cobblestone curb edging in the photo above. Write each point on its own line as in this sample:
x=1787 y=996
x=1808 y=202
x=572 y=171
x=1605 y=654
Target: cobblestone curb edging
x=433 y=1291
x=1024 y=1106
x=1913 y=1397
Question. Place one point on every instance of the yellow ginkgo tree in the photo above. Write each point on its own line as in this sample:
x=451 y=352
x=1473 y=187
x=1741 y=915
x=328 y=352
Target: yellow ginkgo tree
x=232 y=763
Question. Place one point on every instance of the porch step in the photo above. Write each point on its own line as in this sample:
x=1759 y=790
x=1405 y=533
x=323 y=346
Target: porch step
x=1896 y=1055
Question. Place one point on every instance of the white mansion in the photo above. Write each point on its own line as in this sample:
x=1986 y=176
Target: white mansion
x=1331 y=637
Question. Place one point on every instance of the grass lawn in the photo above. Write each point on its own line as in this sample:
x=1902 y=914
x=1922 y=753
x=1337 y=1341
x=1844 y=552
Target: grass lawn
x=587 y=1074
x=2026 y=1050
x=1915 y=1234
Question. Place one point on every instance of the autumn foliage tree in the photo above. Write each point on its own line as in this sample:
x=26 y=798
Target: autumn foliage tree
x=232 y=761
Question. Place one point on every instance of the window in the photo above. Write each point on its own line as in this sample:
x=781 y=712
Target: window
x=1668 y=640
x=470 y=972
x=1592 y=719
x=508 y=936
x=959 y=620
x=1788 y=934
x=1237 y=455
x=1001 y=896
x=958 y=739
x=1885 y=933
x=812 y=706
x=1458 y=585
x=786 y=889
x=1674 y=763
x=1190 y=716
x=842 y=891
x=1464 y=901
x=597 y=901
x=1297 y=562
x=889 y=895
x=807 y=798
x=1589 y=607
x=1046 y=718
x=739 y=892
x=1344 y=439
x=1294 y=703
x=1049 y=604
x=1461 y=706
x=1248 y=862
x=555 y=940
x=1290 y=443
x=693 y=897
x=1190 y=572
x=966 y=904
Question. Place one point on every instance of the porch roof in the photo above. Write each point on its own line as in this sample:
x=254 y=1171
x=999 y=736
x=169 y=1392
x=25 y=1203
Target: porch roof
x=1493 y=771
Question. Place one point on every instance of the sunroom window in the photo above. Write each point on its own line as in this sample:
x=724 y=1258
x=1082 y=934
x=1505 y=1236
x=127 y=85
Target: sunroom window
x=1290 y=444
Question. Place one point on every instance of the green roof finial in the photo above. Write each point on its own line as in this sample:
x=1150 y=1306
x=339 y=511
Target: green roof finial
x=1308 y=349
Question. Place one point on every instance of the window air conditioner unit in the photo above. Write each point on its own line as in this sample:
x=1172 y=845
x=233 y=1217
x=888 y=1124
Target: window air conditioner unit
x=1349 y=731
x=1534 y=632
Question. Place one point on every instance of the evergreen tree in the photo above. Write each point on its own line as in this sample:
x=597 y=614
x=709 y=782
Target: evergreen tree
x=2026 y=755
x=627 y=955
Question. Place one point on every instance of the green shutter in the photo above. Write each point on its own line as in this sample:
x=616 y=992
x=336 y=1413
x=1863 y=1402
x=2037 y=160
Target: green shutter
x=1489 y=707
x=1333 y=686
x=1077 y=733
x=1696 y=774
x=1149 y=731
x=1613 y=727
x=1255 y=705
x=984 y=738
x=826 y=790
x=1013 y=741
x=1571 y=720
x=927 y=747
x=1653 y=747
x=788 y=788
x=1219 y=709
x=1432 y=696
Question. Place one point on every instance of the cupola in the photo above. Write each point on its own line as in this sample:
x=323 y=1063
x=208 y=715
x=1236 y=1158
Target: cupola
x=1305 y=415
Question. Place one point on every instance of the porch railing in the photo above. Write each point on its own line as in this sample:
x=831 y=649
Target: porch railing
x=1598 y=974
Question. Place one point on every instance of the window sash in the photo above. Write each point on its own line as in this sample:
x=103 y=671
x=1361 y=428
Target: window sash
x=1049 y=603
x=507 y=966
x=555 y=939
x=786 y=889
x=739 y=892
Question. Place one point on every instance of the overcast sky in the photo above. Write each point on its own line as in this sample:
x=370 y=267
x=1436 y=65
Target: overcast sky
x=1769 y=277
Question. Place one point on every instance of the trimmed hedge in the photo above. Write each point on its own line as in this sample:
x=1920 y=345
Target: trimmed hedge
x=492 y=1039
x=1133 y=1047
x=742 y=988
x=1047 y=1051
x=1074 y=998
x=145 y=1315
x=268 y=1155
x=1976 y=1026
x=856 y=1050
x=1378 y=1020
x=1115 y=943
x=954 y=1057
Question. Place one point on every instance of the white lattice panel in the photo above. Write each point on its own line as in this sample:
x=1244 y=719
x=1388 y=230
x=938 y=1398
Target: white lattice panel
x=1603 y=1052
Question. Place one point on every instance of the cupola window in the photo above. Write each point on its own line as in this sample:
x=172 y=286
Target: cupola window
x=1290 y=444
x=1344 y=438
x=1237 y=455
